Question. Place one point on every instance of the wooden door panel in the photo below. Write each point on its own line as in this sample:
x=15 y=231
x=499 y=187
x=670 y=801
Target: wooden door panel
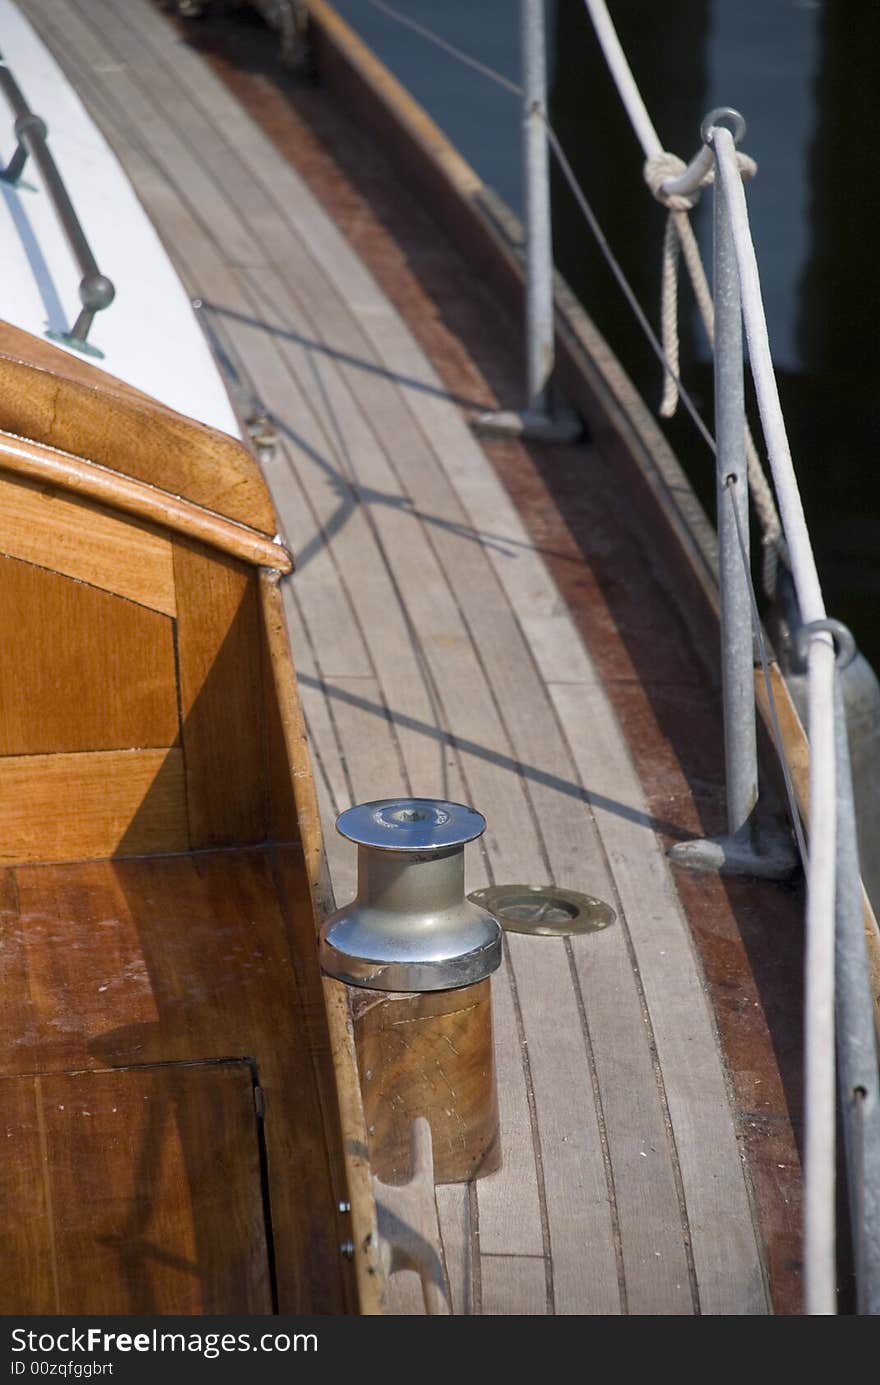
x=134 y=1190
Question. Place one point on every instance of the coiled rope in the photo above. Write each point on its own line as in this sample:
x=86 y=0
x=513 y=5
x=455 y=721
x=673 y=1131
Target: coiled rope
x=662 y=170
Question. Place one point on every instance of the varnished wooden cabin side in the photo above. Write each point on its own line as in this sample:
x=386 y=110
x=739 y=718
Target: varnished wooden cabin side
x=182 y=1103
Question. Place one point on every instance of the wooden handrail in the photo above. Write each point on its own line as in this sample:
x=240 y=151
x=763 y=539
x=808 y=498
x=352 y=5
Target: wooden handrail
x=62 y=401
x=33 y=460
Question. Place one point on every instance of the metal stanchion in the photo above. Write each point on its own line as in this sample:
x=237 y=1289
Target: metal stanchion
x=743 y=849
x=539 y=420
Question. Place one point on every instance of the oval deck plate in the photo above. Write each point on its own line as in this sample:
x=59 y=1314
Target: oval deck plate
x=544 y=910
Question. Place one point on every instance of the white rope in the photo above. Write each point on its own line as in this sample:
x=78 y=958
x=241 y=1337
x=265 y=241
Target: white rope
x=803 y=563
x=661 y=169
x=820 y=1269
x=819 y=1160
x=623 y=79
x=613 y=264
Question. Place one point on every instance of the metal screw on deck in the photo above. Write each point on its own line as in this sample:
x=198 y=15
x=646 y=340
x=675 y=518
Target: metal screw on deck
x=743 y=850
x=410 y=927
x=539 y=420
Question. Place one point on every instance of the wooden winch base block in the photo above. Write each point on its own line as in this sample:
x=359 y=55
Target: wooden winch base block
x=429 y=1055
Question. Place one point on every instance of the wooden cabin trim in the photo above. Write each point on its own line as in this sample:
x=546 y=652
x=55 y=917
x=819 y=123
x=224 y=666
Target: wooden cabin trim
x=36 y=462
x=220 y=691
x=361 y=1224
x=123 y=695
x=73 y=536
x=92 y=804
x=59 y=400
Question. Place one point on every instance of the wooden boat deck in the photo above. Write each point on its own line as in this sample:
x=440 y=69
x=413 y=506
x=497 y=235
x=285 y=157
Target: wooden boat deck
x=444 y=647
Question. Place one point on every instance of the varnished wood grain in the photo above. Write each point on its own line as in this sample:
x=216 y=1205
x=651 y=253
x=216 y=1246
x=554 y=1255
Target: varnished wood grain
x=86 y=541
x=55 y=398
x=81 y=669
x=292 y=812
x=28 y=1277
x=219 y=656
x=144 y=1193
x=36 y=462
x=178 y=959
x=302 y=874
x=325 y=1029
x=67 y=807
x=430 y=1055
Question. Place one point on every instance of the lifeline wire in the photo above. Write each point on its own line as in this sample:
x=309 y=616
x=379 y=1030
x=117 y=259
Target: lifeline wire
x=483 y=68
x=664 y=173
x=759 y=490
x=493 y=75
x=614 y=266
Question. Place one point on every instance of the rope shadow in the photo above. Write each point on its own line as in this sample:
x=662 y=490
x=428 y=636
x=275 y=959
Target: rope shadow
x=346 y=358
x=531 y=773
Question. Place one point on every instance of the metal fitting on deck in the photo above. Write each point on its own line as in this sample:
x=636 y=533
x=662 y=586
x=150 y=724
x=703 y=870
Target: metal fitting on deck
x=410 y=927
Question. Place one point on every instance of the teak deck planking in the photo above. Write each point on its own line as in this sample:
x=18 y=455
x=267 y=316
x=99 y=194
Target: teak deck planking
x=436 y=656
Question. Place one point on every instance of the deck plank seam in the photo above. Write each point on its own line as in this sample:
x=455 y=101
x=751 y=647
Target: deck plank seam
x=652 y=1049
x=383 y=550
x=467 y=625
x=247 y=173
x=464 y=514
x=110 y=76
x=381 y=547
x=348 y=473
x=475 y=1279
x=432 y=381
x=641 y=990
x=494 y=699
x=603 y=1130
x=419 y=421
x=688 y=1099
x=536 y=1133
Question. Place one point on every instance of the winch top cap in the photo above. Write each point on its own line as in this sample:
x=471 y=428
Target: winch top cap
x=411 y=824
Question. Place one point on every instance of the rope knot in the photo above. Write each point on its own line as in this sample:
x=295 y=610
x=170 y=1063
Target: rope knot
x=659 y=169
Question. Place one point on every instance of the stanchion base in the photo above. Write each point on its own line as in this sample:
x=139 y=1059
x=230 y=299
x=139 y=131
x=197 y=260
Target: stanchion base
x=776 y=859
x=563 y=426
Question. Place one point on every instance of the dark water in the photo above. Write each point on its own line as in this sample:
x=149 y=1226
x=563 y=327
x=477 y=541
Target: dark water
x=804 y=74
